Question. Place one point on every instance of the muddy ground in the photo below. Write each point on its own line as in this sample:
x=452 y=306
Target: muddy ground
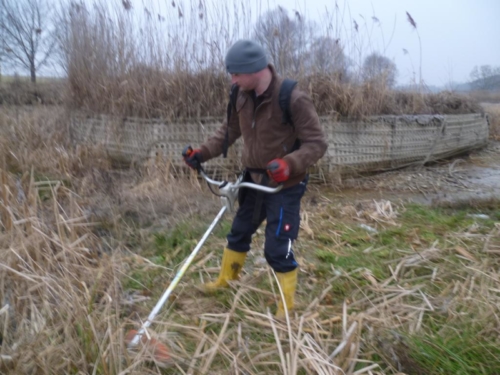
x=152 y=202
x=465 y=179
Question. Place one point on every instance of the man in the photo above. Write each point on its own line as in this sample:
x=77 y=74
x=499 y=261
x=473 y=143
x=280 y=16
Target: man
x=273 y=153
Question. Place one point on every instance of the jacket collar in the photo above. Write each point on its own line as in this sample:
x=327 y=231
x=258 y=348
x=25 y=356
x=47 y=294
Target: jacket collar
x=274 y=82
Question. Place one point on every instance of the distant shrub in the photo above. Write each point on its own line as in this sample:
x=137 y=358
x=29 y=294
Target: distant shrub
x=22 y=92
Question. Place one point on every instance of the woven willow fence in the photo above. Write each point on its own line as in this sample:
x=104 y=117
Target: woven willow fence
x=374 y=144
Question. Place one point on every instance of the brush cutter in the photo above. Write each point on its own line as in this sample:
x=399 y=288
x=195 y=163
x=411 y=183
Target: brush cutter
x=228 y=192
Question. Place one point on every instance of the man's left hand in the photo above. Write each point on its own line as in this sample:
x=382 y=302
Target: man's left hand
x=278 y=170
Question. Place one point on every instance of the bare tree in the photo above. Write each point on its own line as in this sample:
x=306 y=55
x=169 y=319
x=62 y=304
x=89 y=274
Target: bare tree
x=378 y=67
x=28 y=39
x=485 y=77
x=286 y=39
x=327 y=56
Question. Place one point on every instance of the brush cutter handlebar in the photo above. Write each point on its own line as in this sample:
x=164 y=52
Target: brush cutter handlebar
x=228 y=191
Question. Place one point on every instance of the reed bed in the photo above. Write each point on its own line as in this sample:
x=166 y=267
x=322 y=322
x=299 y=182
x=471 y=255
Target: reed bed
x=59 y=292
x=21 y=92
x=168 y=62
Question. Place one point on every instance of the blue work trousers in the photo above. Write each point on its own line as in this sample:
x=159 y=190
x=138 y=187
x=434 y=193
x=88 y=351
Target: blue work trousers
x=282 y=211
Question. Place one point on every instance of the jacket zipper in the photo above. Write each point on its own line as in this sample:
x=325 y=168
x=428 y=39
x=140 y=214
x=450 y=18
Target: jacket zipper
x=255 y=115
x=254 y=122
x=255 y=112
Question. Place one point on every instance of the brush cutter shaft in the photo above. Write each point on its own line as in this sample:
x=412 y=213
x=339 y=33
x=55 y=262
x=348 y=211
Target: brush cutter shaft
x=176 y=279
x=229 y=193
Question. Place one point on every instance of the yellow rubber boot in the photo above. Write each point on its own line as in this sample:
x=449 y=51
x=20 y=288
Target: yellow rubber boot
x=288 y=283
x=232 y=263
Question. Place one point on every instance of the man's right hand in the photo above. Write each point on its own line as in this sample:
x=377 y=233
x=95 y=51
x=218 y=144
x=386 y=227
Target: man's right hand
x=192 y=157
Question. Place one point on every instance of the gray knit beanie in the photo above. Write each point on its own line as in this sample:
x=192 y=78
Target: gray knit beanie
x=245 y=56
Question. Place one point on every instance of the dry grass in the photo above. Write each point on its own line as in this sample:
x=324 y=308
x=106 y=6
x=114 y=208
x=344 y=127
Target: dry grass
x=493 y=111
x=61 y=272
x=87 y=252
x=486 y=96
x=59 y=292
x=36 y=137
x=16 y=91
x=56 y=292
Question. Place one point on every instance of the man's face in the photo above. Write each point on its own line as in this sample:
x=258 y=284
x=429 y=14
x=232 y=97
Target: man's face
x=246 y=82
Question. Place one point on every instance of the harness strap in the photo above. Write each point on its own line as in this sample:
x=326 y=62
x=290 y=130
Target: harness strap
x=259 y=197
x=284 y=100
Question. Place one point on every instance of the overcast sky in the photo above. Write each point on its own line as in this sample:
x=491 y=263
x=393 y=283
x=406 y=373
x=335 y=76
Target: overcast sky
x=455 y=35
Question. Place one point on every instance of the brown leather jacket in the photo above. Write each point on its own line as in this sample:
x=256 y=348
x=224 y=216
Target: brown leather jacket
x=265 y=137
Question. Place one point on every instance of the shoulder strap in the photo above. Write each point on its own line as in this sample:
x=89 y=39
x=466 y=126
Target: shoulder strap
x=284 y=100
x=233 y=96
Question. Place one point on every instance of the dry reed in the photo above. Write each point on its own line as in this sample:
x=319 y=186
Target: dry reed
x=493 y=111
x=128 y=65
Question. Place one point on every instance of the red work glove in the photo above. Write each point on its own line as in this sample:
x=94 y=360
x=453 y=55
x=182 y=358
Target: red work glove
x=192 y=157
x=278 y=170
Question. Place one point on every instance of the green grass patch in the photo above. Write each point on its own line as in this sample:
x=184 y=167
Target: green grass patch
x=424 y=224
x=170 y=249
x=418 y=226
x=461 y=351
x=174 y=246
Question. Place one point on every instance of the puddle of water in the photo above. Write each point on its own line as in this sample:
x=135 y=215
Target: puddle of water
x=484 y=184
x=487 y=177
x=451 y=198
